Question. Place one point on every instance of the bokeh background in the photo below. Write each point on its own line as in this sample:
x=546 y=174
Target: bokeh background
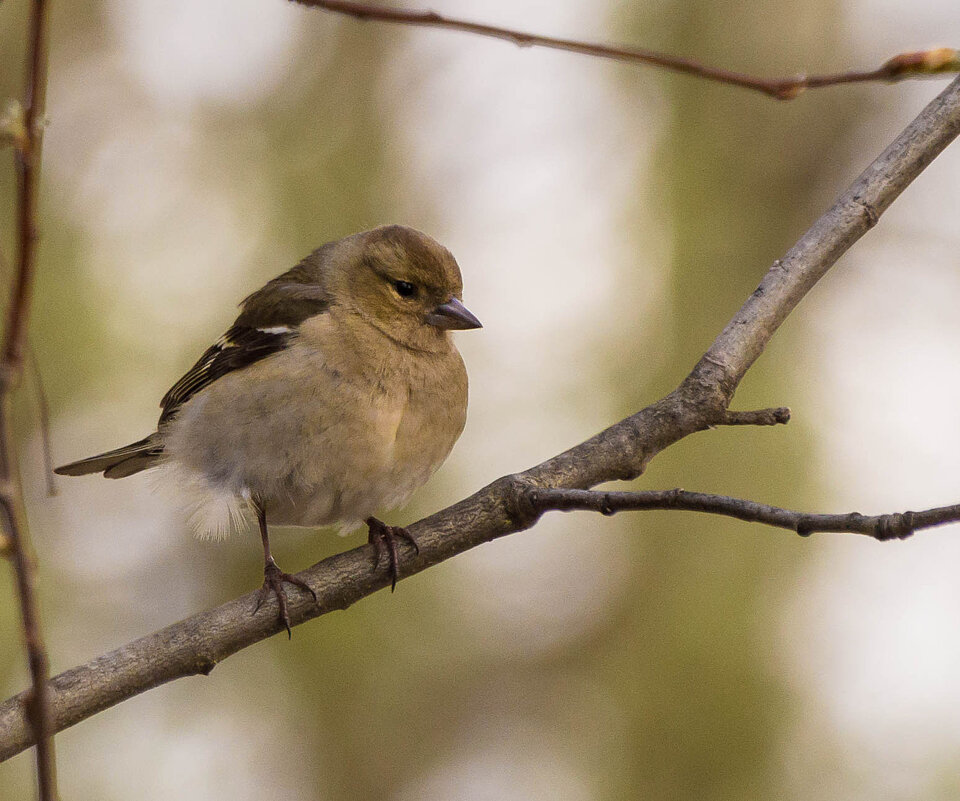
x=608 y=221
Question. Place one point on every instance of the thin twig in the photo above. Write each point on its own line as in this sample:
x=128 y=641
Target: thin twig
x=43 y=417
x=905 y=65
x=27 y=149
x=43 y=404
x=195 y=646
x=28 y=173
x=898 y=525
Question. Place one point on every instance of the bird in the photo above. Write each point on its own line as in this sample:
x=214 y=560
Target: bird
x=336 y=393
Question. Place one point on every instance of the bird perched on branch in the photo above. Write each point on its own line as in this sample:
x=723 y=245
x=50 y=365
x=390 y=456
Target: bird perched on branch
x=336 y=393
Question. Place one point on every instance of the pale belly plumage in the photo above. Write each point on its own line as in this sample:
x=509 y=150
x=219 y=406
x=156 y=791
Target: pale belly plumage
x=325 y=446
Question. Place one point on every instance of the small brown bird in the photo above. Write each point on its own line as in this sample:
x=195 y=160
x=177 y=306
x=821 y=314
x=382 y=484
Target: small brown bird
x=335 y=394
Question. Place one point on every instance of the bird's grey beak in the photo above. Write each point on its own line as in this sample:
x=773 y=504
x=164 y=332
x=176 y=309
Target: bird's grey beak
x=453 y=314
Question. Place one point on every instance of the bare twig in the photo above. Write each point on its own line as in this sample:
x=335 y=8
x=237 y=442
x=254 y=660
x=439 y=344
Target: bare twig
x=905 y=65
x=43 y=404
x=43 y=415
x=195 y=645
x=27 y=149
x=898 y=525
x=28 y=172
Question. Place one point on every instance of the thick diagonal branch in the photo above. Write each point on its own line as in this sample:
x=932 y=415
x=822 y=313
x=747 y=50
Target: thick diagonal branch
x=196 y=645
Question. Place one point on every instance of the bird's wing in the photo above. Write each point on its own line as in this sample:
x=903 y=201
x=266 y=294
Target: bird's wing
x=239 y=347
x=268 y=321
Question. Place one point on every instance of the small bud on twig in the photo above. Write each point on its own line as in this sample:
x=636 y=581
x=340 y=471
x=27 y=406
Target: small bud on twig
x=923 y=62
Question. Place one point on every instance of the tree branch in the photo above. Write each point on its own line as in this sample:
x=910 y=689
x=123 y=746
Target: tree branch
x=25 y=124
x=905 y=65
x=43 y=403
x=197 y=644
x=898 y=525
x=760 y=417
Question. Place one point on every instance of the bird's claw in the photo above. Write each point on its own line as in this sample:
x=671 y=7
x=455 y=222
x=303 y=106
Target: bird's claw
x=384 y=538
x=273 y=580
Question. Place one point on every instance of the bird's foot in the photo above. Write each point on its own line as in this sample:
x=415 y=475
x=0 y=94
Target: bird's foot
x=384 y=538
x=273 y=580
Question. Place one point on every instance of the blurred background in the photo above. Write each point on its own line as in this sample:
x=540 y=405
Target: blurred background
x=608 y=220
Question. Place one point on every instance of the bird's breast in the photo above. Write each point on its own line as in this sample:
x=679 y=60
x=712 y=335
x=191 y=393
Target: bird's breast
x=394 y=424
x=324 y=434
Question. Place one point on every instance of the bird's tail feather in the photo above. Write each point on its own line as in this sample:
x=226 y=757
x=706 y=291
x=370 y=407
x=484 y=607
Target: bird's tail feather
x=118 y=463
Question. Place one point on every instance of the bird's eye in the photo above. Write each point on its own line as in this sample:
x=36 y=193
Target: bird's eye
x=405 y=289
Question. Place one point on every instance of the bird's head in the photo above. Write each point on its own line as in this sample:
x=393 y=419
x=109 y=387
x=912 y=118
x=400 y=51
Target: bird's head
x=402 y=282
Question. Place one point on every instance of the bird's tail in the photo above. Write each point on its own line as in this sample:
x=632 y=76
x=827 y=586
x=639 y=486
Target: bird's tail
x=118 y=463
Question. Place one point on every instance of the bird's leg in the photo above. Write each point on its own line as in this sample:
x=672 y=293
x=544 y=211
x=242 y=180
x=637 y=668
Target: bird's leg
x=383 y=537
x=273 y=576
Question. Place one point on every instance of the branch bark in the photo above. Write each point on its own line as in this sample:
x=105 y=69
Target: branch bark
x=896 y=525
x=904 y=65
x=195 y=645
x=36 y=703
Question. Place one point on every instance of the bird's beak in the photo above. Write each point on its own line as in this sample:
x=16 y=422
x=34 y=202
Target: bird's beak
x=453 y=314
